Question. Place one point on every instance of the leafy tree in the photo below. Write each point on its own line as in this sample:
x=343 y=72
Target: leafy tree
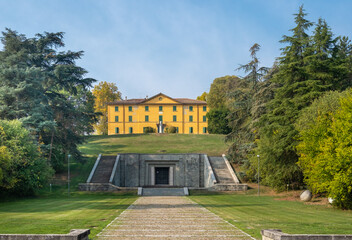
x=217 y=121
x=203 y=97
x=39 y=86
x=23 y=170
x=104 y=92
x=325 y=152
x=219 y=90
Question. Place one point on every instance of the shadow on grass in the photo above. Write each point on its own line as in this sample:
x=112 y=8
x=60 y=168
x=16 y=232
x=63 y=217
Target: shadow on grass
x=95 y=149
x=98 y=137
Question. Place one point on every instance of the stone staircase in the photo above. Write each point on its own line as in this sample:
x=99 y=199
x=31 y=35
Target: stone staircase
x=225 y=181
x=222 y=173
x=163 y=191
x=103 y=171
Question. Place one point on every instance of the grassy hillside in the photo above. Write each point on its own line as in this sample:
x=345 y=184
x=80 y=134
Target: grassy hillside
x=212 y=145
x=154 y=143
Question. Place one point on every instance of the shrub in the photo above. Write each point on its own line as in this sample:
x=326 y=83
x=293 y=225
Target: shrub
x=171 y=130
x=148 y=130
x=22 y=169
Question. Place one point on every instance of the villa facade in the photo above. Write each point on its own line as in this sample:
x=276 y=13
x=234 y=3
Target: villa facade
x=160 y=112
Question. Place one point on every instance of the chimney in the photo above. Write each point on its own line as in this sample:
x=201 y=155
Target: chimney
x=146 y=97
x=126 y=98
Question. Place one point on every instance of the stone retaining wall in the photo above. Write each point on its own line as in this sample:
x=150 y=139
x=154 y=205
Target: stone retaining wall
x=276 y=234
x=75 y=234
x=103 y=187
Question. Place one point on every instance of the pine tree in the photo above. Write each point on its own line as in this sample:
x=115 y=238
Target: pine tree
x=308 y=67
x=277 y=133
x=243 y=97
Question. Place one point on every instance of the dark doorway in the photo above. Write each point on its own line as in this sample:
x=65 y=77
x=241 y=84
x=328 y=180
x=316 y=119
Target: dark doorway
x=161 y=176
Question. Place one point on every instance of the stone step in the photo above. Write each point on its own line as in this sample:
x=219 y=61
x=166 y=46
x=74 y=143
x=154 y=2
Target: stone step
x=173 y=237
x=220 y=169
x=163 y=192
x=104 y=169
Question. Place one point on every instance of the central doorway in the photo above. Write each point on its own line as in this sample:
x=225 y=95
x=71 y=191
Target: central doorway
x=162 y=175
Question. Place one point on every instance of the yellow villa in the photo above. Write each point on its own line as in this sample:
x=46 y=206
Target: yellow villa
x=159 y=112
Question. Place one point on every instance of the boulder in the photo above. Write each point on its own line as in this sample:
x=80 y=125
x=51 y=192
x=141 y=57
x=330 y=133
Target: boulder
x=306 y=196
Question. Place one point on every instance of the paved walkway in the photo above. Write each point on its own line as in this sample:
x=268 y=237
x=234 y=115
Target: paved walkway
x=169 y=218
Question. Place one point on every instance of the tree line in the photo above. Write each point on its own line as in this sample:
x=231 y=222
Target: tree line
x=295 y=115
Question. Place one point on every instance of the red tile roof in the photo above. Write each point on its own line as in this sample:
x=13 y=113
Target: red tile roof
x=137 y=101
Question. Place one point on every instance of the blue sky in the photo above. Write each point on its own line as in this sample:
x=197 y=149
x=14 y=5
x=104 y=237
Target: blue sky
x=172 y=46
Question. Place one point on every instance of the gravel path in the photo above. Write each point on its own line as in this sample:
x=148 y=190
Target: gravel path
x=169 y=218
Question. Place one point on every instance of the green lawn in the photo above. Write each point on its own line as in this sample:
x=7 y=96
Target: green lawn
x=251 y=214
x=56 y=213
x=154 y=143
x=60 y=214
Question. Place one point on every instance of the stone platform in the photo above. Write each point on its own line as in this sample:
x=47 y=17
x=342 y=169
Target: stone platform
x=169 y=217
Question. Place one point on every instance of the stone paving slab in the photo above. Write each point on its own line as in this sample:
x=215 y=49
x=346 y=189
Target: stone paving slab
x=169 y=217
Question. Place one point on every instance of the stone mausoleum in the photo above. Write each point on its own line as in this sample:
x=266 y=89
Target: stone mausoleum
x=162 y=173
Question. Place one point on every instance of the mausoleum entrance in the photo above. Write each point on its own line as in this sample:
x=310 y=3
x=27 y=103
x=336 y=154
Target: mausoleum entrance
x=162 y=175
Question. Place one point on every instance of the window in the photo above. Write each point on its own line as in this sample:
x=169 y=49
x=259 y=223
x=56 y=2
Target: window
x=146 y=118
x=131 y=130
x=176 y=129
x=160 y=108
x=117 y=130
x=204 y=118
x=174 y=118
x=116 y=108
x=116 y=118
x=130 y=118
x=160 y=118
x=191 y=108
x=204 y=130
x=174 y=108
x=204 y=108
x=191 y=130
x=130 y=108
x=191 y=118
x=146 y=108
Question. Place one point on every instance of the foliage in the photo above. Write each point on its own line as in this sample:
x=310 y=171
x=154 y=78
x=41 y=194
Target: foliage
x=104 y=92
x=22 y=170
x=307 y=68
x=47 y=91
x=219 y=90
x=242 y=100
x=203 y=97
x=172 y=129
x=217 y=121
x=218 y=100
x=148 y=130
x=325 y=151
